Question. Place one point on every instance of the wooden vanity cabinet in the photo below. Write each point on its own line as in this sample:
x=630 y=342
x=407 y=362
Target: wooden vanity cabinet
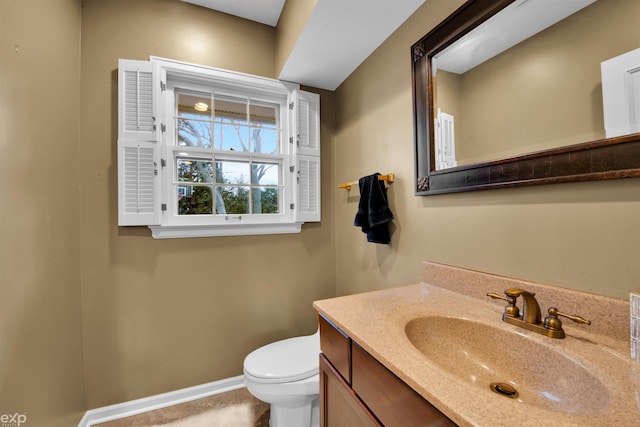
x=358 y=391
x=339 y=405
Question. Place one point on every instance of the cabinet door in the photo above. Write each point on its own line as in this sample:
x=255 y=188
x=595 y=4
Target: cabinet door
x=394 y=403
x=339 y=406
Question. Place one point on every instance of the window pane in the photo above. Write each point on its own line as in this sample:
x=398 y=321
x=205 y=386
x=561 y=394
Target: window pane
x=263 y=116
x=194 y=200
x=231 y=130
x=265 y=201
x=232 y=172
x=229 y=109
x=194 y=170
x=264 y=140
x=231 y=136
x=194 y=121
x=264 y=128
x=194 y=133
x=235 y=199
x=265 y=174
x=194 y=106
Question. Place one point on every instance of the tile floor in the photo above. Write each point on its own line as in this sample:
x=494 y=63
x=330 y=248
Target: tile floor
x=236 y=408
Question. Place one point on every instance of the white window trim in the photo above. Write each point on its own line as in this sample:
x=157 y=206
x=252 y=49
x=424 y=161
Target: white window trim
x=183 y=231
x=145 y=173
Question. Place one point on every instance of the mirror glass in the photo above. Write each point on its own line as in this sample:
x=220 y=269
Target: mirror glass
x=511 y=78
x=530 y=79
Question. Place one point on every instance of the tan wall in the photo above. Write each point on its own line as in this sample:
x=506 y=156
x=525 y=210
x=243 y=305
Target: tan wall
x=160 y=315
x=579 y=235
x=41 y=368
x=295 y=15
x=545 y=92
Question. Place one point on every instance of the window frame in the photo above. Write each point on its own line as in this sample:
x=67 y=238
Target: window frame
x=298 y=160
x=170 y=141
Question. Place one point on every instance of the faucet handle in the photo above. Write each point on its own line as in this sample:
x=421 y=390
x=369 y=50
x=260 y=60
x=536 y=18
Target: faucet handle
x=553 y=323
x=511 y=309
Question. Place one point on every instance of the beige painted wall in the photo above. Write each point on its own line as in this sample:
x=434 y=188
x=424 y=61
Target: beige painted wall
x=41 y=368
x=578 y=235
x=160 y=315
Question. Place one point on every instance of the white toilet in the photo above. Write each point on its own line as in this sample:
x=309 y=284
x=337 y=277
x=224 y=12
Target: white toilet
x=285 y=375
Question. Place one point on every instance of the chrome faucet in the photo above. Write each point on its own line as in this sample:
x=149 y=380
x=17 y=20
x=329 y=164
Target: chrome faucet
x=531 y=318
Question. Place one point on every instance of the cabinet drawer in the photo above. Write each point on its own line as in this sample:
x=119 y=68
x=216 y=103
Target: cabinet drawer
x=336 y=346
x=392 y=401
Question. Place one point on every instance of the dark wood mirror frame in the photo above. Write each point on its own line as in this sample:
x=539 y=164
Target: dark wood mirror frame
x=610 y=158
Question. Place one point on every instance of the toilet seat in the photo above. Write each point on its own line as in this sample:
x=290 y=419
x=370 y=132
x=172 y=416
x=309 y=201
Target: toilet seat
x=289 y=360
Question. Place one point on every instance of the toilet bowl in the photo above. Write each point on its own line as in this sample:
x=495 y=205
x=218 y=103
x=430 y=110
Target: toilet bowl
x=285 y=375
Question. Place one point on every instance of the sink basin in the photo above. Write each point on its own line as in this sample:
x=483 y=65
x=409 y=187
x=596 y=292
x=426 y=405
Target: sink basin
x=480 y=354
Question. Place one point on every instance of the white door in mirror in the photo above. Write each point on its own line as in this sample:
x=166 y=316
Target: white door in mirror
x=445 y=141
x=621 y=94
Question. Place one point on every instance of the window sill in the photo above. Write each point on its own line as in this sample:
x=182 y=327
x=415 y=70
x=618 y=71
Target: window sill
x=188 y=231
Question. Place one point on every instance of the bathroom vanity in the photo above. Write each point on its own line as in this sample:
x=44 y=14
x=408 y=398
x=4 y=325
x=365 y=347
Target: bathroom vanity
x=357 y=390
x=432 y=354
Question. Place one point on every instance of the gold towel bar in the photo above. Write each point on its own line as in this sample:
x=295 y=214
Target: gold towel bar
x=388 y=178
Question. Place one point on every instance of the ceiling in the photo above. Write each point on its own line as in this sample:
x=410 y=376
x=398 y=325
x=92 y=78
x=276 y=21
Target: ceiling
x=338 y=37
x=263 y=11
x=517 y=22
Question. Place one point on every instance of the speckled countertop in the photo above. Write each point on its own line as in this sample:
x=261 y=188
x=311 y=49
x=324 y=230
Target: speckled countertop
x=586 y=379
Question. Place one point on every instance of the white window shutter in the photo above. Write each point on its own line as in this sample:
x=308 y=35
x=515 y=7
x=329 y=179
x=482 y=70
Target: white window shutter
x=308 y=204
x=308 y=123
x=138 y=152
x=307 y=128
x=136 y=116
x=138 y=183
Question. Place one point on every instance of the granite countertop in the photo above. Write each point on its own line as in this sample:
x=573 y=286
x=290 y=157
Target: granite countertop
x=610 y=387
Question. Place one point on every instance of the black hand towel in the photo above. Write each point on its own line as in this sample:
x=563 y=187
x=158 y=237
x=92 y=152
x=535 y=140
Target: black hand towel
x=373 y=213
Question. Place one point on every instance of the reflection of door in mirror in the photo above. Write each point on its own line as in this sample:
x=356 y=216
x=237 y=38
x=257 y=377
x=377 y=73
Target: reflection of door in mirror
x=621 y=94
x=445 y=141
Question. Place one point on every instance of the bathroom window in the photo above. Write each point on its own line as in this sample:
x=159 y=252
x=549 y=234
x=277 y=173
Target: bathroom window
x=208 y=152
x=227 y=155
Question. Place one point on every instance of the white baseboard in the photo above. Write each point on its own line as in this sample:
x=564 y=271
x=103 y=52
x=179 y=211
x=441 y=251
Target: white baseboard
x=134 y=407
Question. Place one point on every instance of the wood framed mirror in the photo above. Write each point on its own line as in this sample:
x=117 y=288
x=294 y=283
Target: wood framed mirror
x=595 y=152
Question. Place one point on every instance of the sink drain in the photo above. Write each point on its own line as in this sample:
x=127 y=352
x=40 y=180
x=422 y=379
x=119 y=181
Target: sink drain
x=504 y=389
